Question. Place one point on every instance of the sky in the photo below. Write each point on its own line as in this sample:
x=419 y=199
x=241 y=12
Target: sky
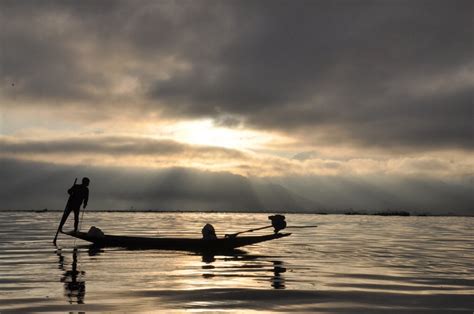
x=239 y=105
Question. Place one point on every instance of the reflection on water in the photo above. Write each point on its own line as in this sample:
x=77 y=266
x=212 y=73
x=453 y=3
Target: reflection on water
x=242 y=265
x=237 y=264
x=278 y=280
x=364 y=264
x=72 y=278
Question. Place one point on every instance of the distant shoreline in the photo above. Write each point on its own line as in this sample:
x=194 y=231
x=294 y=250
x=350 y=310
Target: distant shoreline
x=349 y=213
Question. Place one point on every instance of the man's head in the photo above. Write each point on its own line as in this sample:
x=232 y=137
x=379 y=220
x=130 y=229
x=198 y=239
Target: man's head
x=85 y=181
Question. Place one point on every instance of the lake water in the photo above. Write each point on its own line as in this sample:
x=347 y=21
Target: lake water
x=365 y=264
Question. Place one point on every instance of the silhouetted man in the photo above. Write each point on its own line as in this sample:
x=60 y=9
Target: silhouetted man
x=78 y=194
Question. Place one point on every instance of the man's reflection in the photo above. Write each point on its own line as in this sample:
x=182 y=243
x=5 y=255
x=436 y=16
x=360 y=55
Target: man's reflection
x=73 y=279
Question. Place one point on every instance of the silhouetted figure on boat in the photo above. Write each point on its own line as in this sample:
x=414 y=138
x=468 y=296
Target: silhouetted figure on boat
x=78 y=195
x=278 y=222
x=208 y=232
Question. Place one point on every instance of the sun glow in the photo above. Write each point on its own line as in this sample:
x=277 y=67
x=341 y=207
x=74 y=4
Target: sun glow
x=205 y=132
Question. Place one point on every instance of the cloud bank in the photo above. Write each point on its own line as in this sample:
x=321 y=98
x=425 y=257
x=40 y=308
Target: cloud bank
x=361 y=104
x=127 y=151
x=352 y=72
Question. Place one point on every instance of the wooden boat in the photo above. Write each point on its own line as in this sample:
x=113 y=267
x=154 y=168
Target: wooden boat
x=182 y=244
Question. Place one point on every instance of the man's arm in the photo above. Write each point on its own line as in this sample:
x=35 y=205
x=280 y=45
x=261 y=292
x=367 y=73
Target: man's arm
x=71 y=190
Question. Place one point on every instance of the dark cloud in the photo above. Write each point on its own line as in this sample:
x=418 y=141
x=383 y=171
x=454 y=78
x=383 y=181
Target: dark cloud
x=311 y=66
x=38 y=54
x=358 y=72
x=111 y=145
x=305 y=155
x=33 y=185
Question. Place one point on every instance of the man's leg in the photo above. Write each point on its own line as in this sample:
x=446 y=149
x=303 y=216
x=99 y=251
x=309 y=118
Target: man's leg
x=76 y=218
x=67 y=211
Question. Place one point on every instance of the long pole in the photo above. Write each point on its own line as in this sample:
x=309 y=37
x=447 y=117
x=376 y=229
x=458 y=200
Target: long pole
x=233 y=235
x=302 y=226
x=65 y=208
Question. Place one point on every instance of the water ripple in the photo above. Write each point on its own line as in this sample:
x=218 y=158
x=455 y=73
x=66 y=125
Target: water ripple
x=365 y=264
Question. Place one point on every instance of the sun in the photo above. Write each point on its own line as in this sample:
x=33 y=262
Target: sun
x=205 y=132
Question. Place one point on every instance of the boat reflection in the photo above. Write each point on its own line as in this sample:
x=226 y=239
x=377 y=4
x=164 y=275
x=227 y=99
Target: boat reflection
x=244 y=265
x=229 y=269
x=72 y=278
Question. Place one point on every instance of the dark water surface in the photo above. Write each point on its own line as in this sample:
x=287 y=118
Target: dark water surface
x=366 y=264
